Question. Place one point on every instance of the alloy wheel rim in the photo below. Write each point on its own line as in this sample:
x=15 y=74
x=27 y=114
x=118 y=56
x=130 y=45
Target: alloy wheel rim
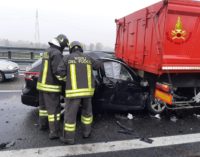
x=158 y=106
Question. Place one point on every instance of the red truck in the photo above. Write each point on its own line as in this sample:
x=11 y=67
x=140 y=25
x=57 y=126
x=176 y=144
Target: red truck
x=162 y=44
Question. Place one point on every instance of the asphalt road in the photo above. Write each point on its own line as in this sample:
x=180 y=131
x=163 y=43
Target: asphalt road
x=19 y=124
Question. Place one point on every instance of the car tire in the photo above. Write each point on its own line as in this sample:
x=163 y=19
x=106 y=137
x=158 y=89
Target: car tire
x=2 y=77
x=155 y=106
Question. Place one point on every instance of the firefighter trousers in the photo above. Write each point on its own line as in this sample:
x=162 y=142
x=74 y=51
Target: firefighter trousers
x=49 y=110
x=71 y=109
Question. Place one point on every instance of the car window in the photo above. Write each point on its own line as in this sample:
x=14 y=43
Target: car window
x=116 y=71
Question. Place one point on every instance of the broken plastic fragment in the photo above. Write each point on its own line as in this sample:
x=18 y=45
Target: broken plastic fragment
x=147 y=140
x=173 y=119
x=157 y=116
x=130 y=116
x=197 y=116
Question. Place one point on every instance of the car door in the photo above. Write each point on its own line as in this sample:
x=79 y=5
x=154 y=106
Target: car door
x=120 y=88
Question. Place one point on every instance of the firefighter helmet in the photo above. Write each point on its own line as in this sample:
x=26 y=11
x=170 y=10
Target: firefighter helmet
x=61 y=41
x=75 y=46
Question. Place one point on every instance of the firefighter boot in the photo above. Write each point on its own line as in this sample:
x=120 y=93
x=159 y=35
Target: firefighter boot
x=54 y=131
x=43 y=123
x=67 y=138
x=87 y=131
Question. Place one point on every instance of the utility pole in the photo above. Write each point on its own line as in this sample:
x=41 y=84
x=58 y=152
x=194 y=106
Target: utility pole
x=37 y=31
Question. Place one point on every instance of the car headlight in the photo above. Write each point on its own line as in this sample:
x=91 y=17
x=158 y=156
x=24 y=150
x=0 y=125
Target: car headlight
x=10 y=67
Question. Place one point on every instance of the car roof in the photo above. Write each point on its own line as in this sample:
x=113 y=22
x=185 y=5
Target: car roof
x=101 y=54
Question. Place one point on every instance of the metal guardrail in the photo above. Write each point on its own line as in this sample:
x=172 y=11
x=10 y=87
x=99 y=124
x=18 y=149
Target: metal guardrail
x=27 y=55
x=20 y=54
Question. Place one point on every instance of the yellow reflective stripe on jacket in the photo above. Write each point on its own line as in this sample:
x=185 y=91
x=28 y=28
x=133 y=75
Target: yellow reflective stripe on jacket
x=44 y=74
x=43 y=113
x=73 y=76
x=70 y=127
x=89 y=75
x=48 y=88
x=79 y=94
x=79 y=90
x=51 y=118
x=87 y=120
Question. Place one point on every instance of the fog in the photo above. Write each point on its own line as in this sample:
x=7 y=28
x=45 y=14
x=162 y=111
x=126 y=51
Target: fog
x=88 y=21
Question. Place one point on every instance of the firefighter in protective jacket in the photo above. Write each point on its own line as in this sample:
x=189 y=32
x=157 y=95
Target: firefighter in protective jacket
x=77 y=67
x=49 y=86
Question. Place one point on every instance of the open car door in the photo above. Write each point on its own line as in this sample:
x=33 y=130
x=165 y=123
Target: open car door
x=119 y=88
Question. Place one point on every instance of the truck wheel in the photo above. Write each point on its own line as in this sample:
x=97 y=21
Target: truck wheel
x=155 y=106
x=2 y=77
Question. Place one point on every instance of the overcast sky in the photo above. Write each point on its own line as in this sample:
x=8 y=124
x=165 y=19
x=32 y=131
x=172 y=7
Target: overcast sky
x=88 y=21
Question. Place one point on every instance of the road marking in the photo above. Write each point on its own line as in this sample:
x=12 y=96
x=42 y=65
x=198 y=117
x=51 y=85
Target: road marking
x=10 y=91
x=82 y=149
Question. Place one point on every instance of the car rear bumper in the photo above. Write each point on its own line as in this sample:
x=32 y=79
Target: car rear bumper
x=29 y=99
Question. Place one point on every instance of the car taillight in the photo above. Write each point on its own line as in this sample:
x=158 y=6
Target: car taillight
x=163 y=87
x=30 y=75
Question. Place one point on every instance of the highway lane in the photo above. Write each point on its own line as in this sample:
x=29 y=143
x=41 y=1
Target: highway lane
x=19 y=123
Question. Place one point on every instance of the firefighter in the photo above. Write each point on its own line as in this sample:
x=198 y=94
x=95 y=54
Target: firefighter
x=49 y=86
x=77 y=67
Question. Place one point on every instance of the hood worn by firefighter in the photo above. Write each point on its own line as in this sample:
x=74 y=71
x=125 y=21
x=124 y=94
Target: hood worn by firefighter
x=49 y=86
x=77 y=67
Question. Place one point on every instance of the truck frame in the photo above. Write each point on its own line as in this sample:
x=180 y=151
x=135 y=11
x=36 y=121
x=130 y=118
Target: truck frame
x=161 y=43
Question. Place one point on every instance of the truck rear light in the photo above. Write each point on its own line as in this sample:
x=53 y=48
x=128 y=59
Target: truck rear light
x=30 y=75
x=181 y=68
x=165 y=97
x=163 y=87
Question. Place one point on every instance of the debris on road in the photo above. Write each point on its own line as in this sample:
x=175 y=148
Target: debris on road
x=10 y=144
x=157 y=116
x=196 y=115
x=130 y=116
x=147 y=140
x=173 y=119
x=7 y=145
x=123 y=126
x=126 y=132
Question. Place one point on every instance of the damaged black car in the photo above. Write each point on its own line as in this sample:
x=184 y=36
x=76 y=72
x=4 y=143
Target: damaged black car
x=118 y=87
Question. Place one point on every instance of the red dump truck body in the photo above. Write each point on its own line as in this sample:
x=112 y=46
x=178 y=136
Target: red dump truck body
x=162 y=38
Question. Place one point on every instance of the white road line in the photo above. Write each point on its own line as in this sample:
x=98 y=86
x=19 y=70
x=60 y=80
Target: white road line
x=102 y=147
x=10 y=91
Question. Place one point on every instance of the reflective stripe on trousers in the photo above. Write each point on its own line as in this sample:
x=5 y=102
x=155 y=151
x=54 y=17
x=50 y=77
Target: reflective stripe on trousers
x=43 y=113
x=70 y=127
x=53 y=118
x=87 y=120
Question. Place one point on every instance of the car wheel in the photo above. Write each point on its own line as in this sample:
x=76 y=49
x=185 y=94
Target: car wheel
x=2 y=77
x=156 y=106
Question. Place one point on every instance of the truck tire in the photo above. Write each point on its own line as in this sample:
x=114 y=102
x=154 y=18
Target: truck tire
x=2 y=77
x=155 y=106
